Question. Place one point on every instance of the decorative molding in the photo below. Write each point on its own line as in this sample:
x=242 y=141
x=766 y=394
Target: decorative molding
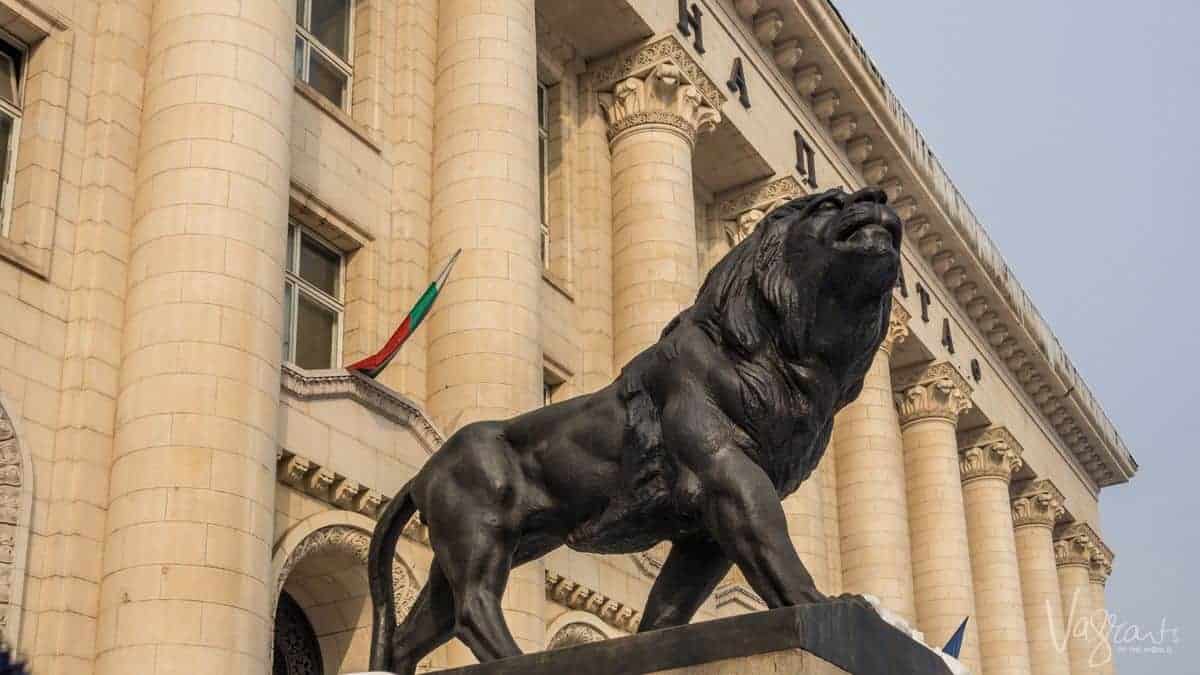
x=578 y=633
x=637 y=62
x=308 y=385
x=569 y=593
x=1038 y=503
x=989 y=453
x=1100 y=568
x=663 y=96
x=931 y=391
x=356 y=542
x=897 y=329
x=16 y=498
x=650 y=561
x=736 y=593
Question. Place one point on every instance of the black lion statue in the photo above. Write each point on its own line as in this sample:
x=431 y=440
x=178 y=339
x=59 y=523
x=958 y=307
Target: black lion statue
x=695 y=443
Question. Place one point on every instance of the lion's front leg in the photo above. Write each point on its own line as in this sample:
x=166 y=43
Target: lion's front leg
x=693 y=569
x=743 y=514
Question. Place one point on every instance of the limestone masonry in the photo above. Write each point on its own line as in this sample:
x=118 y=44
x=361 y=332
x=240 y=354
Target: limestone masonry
x=208 y=207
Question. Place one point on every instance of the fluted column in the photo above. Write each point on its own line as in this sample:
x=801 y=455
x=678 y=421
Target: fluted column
x=930 y=398
x=189 y=529
x=1035 y=509
x=872 y=500
x=654 y=117
x=988 y=459
x=1073 y=551
x=485 y=355
x=1098 y=572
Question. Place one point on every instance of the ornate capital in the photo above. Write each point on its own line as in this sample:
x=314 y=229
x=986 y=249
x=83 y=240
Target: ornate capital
x=742 y=210
x=1100 y=568
x=657 y=82
x=1037 y=503
x=1078 y=544
x=931 y=391
x=897 y=328
x=663 y=96
x=989 y=453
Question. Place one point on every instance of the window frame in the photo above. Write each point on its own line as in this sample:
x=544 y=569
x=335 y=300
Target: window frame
x=310 y=42
x=16 y=112
x=543 y=115
x=291 y=276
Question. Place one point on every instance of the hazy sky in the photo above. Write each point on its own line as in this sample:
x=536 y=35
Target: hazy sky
x=1072 y=129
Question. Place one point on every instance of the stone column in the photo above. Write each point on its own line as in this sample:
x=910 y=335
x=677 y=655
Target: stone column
x=191 y=498
x=1098 y=573
x=872 y=504
x=988 y=459
x=654 y=118
x=1073 y=550
x=930 y=398
x=485 y=355
x=1036 y=507
x=806 y=527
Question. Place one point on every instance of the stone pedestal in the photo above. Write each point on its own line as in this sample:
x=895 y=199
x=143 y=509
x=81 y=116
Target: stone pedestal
x=827 y=639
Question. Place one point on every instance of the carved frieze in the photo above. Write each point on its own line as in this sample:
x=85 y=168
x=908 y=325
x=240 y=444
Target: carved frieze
x=572 y=634
x=931 y=391
x=989 y=453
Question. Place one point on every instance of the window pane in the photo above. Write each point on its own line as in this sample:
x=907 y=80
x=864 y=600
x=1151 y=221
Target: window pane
x=543 y=175
x=300 y=13
x=319 y=266
x=541 y=103
x=315 y=331
x=6 y=133
x=299 y=58
x=290 y=256
x=331 y=25
x=8 y=79
x=325 y=78
x=289 y=292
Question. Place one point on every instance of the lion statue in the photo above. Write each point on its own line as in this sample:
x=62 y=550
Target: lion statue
x=695 y=443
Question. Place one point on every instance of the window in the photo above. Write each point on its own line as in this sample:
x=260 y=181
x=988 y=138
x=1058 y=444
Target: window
x=323 y=48
x=312 y=301
x=12 y=61
x=543 y=104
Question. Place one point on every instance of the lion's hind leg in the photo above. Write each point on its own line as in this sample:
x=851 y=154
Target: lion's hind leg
x=429 y=624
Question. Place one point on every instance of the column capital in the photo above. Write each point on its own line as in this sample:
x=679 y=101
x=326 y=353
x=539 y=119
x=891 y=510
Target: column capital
x=742 y=210
x=897 y=328
x=1078 y=544
x=1037 y=503
x=989 y=453
x=657 y=82
x=1100 y=568
x=931 y=391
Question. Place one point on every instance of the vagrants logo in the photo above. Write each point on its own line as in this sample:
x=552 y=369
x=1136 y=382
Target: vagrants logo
x=1106 y=635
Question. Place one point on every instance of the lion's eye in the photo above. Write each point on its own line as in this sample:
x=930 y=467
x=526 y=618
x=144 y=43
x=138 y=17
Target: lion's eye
x=830 y=204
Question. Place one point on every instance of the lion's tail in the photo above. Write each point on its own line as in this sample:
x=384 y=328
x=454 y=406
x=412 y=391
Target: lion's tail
x=391 y=524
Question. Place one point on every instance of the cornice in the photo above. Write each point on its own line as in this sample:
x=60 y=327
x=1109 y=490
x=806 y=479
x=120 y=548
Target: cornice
x=931 y=391
x=1037 y=503
x=307 y=385
x=989 y=453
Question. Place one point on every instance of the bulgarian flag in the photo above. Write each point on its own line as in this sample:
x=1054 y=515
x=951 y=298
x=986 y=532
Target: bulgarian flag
x=374 y=364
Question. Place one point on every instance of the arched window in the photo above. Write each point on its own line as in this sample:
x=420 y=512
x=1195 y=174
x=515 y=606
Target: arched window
x=297 y=651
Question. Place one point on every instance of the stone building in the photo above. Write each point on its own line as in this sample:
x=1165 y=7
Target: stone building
x=210 y=206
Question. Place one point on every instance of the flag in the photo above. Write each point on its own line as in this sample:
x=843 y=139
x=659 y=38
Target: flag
x=954 y=645
x=374 y=364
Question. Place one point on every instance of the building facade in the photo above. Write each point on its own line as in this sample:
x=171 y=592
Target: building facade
x=210 y=206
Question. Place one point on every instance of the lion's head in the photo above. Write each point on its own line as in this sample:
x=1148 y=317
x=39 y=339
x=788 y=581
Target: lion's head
x=815 y=277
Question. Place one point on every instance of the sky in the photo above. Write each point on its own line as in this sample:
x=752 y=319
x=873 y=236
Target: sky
x=1071 y=127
